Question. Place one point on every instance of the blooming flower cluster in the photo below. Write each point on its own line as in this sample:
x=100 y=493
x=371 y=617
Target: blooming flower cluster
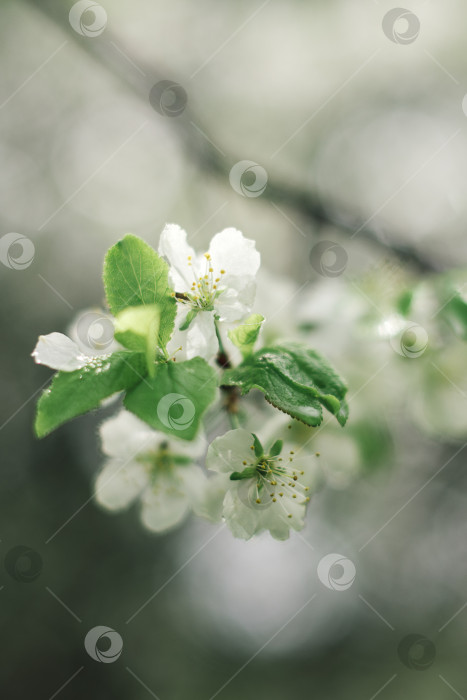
x=260 y=491
x=146 y=465
x=215 y=286
x=182 y=306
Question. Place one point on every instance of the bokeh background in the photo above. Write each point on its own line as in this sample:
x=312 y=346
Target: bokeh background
x=357 y=120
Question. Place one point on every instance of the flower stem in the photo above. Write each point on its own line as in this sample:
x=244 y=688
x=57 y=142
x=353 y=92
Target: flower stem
x=222 y=358
x=234 y=422
x=231 y=393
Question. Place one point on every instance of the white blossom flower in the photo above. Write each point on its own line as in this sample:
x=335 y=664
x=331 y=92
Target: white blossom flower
x=91 y=336
x=217 y=285
x=147 y=465
x=260 y=491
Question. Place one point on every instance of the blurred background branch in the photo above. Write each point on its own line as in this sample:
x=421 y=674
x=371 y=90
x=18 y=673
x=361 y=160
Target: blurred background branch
x=208 y=158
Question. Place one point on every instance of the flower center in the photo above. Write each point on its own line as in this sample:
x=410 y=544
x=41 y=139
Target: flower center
x=204 y=289
x=278 y=483
x=162 y=461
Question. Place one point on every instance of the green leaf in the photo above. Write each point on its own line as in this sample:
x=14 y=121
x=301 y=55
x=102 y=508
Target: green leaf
x=135 y=275
x=175 y=399
x=295 y=379
x=137 y=328
x=246 y=335
x=74 y=393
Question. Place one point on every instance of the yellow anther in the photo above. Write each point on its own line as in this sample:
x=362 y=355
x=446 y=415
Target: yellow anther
x=258 y=500
x=292 y=452
x=189 y=257
x=274 y=500
x=244 y=462
x=222 y=272
x=211 y=269
x=281 y=494
x=317 y=454
x=290 y=515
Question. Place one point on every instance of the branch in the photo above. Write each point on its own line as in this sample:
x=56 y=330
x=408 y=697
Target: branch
x=105 y=51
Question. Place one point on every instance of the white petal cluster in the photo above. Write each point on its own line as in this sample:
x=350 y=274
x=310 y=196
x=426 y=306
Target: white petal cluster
x=148 y=466
x=217 y=285
x=91 y=336
x=273 y=498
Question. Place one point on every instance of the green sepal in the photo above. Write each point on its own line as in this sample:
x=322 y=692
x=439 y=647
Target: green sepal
x=247 y=473
x=259 y=451
x=191 y=315
x=276 y=449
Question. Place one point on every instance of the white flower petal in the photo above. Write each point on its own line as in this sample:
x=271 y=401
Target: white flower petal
x=236 y=302
x=235 y=254
x=228 y=452
x=57 y=351
x=124 y=436
x=211 y=503
x=164 y=505
x=201 y=339
x=187 y=448
x=177 y=344
x=279 y=527
x=118 y=485
x=174 y=248
x=93 y=331
x=241 y=520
